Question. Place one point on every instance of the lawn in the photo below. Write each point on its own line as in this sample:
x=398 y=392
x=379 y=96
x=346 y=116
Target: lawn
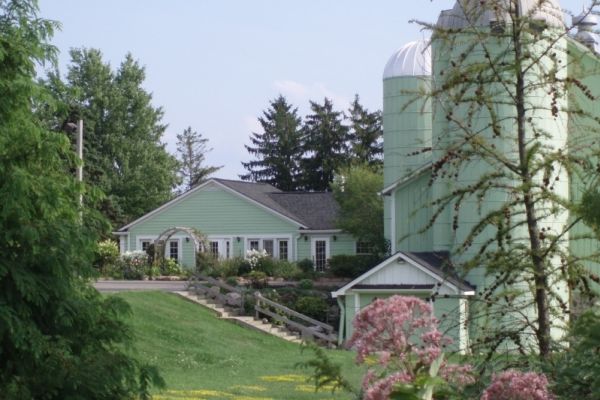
x=202 y=357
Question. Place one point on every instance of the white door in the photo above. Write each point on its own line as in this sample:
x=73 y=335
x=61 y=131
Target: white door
x=319 y=247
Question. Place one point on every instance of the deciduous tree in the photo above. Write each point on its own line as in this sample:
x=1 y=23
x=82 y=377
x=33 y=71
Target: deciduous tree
x=192 y=148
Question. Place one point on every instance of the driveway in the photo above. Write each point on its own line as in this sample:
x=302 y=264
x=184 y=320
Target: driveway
x=124 y=286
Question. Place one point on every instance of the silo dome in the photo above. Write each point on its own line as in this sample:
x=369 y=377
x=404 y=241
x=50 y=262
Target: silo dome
x=474 y=12
x=413 y=59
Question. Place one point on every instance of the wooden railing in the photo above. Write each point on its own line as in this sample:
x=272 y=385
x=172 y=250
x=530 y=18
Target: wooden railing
x=204 y=285
x=309 y=328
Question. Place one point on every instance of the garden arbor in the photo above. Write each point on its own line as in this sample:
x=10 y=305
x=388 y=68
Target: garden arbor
x=159 y=243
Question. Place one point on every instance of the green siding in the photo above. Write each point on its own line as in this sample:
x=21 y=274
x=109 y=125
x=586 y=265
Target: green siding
x=343 y=244
x=412 y=214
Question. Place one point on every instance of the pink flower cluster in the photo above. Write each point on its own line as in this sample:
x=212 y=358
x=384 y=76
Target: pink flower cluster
x=516 y=385
x=402 y=334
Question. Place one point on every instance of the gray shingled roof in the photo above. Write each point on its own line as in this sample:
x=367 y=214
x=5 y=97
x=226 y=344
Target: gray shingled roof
x=314 y=210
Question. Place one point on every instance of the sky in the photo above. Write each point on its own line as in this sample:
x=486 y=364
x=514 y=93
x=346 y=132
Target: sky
x=215 y=65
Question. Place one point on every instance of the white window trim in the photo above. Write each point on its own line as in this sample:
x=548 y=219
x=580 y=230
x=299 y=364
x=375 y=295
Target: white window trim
x=141 y=238
x=222 y=241
x=313 y=248
x=275 y=238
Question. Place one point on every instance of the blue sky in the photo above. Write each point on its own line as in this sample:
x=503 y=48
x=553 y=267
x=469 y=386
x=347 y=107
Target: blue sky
x=214 y=65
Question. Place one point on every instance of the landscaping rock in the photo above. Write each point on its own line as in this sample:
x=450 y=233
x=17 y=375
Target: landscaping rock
x=233 y=299
x=213 y=292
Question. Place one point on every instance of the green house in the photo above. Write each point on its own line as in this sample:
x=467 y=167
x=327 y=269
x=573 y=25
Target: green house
x=239 y=216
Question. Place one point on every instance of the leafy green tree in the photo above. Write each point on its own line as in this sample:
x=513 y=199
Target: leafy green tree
x=59 y=339
x=356 y=189
x=192 y=148
x=123 y=153
x=325 y=146
x=366 y=134
x=278 y=149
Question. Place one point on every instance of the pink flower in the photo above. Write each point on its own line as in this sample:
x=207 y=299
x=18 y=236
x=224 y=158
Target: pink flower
x=516 y=385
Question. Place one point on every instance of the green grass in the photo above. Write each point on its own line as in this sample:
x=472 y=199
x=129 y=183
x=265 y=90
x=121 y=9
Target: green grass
x=202 y=357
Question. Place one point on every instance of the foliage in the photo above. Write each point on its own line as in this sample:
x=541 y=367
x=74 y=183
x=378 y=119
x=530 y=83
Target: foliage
x=192 y=148
x=206 y=263
x=365 y=135
x=313 y=306
x=60 y=338
x=500 y=170
x=516 y=385
x=325 y=146
x=356 y=189
x=134 y=264
x=306 y=284
x=307 y=266
x=326 y=374
x=170 y=267
x=107 y=256
x=277 y=149
x=124 y=156
x=258 y=279
x=348 y=266
x=286 y=270
x=576 y=371
x=402 y=335
x=256 y=257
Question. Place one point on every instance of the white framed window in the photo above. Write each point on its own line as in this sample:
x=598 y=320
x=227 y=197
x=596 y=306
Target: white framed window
x=364 y=248
x=219 y=247
x=277 y=247
x=319 y=249
x=174 y=249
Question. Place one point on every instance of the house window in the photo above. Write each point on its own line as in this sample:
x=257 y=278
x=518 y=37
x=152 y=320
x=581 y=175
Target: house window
x=174 y=250
x=273 y=246
x=283 y=249
x=214 y=249
x=227 y=249
x=268 y=246
x=364 y=248
x=320 y=255
x=145 y=244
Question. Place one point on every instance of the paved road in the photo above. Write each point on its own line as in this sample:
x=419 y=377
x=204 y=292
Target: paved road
x=123 y=286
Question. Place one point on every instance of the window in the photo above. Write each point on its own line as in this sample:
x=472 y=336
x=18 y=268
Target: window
x=283 y=249
x=214 y=249
x=278 y=248
x=145 y=244
x=268 y=246
x=174 y=250
x=227 y=249
x=320 y=255
x=364 y=248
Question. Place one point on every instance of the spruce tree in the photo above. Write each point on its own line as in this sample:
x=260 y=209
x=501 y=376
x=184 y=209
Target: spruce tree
x=192 y=147
x=278 y=149
x=326 y=146
x=366 y=134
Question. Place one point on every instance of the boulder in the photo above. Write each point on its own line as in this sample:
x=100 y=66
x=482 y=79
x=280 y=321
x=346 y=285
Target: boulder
x=233 y=299
x=213 y=292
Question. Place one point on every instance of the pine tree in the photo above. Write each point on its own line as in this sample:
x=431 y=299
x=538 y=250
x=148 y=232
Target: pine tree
x=366 y=134
x=278 y=149
x=326 y=146
x=192 y=147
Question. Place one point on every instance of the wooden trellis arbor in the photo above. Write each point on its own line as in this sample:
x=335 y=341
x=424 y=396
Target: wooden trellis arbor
x=159 y=243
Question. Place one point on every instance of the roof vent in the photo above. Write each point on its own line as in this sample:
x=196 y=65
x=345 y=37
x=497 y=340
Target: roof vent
x=585 y=23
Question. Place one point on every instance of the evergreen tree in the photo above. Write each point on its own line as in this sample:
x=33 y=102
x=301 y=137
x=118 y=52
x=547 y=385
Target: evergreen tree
x=366 y=134
x=59 y=338
x=192 y=147
x=123 y=154
x=326 y=146
x=278 y=149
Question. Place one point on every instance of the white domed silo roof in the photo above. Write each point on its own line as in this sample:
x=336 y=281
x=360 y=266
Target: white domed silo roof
x=413 y=59
x=585 y=18
x=467 y=13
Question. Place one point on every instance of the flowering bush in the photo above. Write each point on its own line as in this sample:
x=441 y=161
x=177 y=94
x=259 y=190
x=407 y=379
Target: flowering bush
x=134 y=264
x=402 y=335
x=107 y=255
x=255 y=257
x=516 y=385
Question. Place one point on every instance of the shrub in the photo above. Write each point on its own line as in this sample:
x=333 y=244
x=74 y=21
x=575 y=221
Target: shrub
x=134 y=264
x=231 y=267
x=307 y=266
x=171 y=267
x=231 y=281
x=206 y=263
x=286 y=270
x=106 y=256
x=347 y=266
x=313 y=306
x=258 y=279
x=306 y=284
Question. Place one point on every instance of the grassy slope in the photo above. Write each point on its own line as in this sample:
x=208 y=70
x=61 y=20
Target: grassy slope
x=202 y=357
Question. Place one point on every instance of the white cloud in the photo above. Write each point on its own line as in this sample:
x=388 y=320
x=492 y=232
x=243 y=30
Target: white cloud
x=299 y=94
